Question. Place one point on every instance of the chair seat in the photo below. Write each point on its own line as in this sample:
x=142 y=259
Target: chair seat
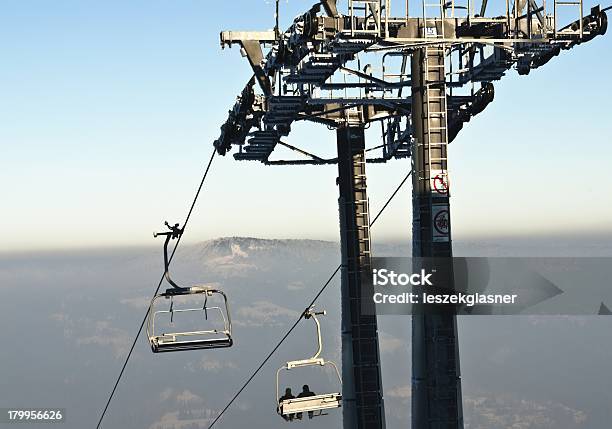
x=310 y=403
x=168 y=343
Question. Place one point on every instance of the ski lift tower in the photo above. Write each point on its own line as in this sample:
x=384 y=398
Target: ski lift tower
x=421 y=77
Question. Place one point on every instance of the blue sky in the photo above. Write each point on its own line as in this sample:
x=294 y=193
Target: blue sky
x=109 y=110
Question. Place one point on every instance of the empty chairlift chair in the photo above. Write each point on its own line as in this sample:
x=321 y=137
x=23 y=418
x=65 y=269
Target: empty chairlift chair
x=316 y=404
x=181 y=304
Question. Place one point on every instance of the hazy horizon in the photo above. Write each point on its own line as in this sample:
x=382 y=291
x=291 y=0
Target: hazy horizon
x=545 y=240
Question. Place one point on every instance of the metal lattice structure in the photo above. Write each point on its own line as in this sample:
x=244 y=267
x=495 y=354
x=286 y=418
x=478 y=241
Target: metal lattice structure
x=421 y=77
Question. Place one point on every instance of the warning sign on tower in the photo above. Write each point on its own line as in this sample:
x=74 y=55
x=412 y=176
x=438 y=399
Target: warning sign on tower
x=439 y=182
x=440 y=219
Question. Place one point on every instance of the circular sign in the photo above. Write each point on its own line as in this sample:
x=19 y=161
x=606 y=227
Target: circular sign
x=442 y=222
x=440 y=184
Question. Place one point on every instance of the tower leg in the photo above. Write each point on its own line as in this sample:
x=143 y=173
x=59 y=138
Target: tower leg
x=436 y=381
x=362 y=385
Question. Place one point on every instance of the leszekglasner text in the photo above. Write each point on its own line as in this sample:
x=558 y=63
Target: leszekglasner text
x=384 y=277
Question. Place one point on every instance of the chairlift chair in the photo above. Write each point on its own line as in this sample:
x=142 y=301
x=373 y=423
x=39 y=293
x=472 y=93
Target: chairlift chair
x=187 y=340
x=316 y=404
